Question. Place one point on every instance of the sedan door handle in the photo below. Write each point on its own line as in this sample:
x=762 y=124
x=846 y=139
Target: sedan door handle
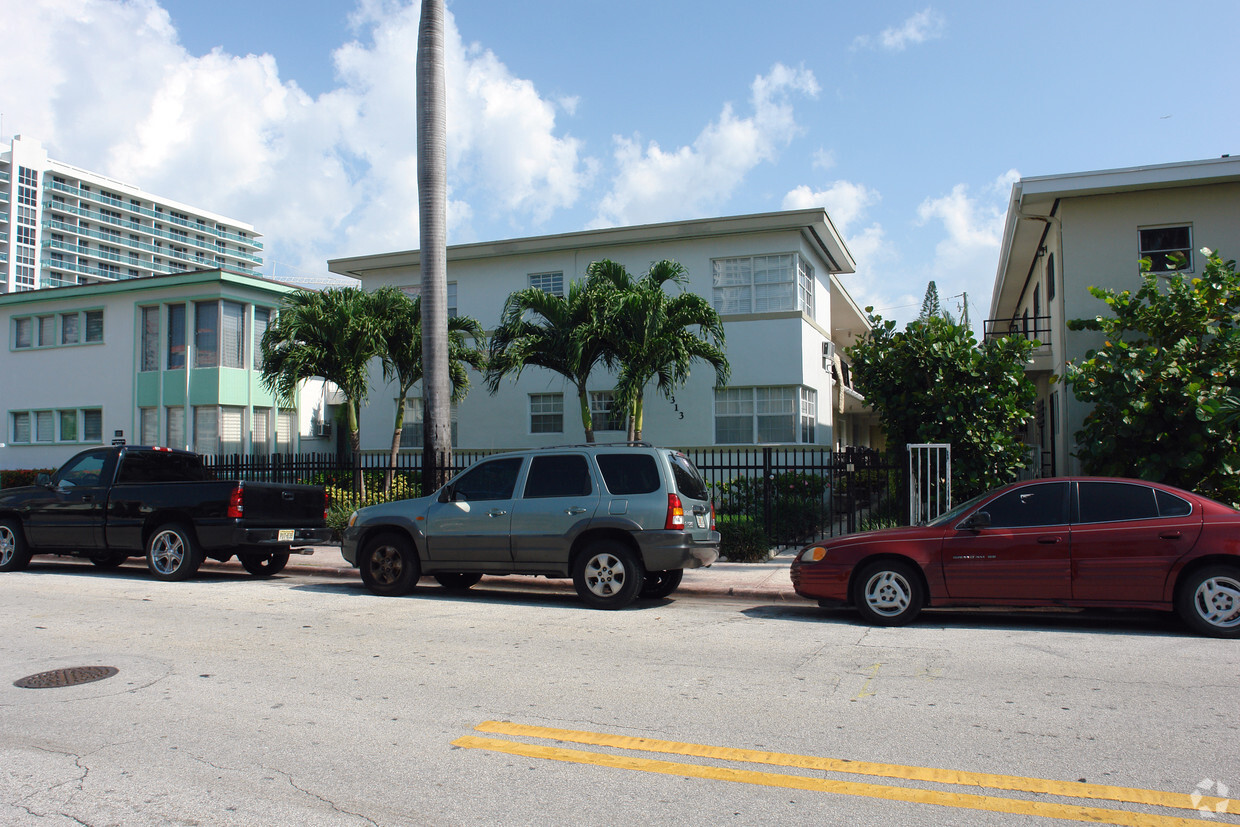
x=1171 y=535
x=576 y=509
x=1049 y=541
x=496 y=512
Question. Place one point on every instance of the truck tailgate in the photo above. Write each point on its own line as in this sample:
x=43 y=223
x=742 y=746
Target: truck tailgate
x=282 y=506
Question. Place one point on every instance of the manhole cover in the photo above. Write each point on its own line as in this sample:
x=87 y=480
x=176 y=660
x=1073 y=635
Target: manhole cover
x=72 y=676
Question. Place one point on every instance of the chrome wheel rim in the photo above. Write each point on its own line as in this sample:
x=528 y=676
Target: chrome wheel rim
x=605 y=575
x=167 y=552
x=888 y=593
x=1217 y=601
x=8 y=545
x=386 y=565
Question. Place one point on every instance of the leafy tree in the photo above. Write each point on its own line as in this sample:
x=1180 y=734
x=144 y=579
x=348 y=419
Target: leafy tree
x=401 y=319
x=432 y=138
x=653 y=335
x=933 y=383
x=330 y=334
x=1164 y=383
x=562 y=334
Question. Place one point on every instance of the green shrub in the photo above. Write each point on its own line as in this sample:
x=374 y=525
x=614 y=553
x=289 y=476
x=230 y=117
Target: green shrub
x=799 y=510
x=343 y=502
x=18 y=477
x=742 y=539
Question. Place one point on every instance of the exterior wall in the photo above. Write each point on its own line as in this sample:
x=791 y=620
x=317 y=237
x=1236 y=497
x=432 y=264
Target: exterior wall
x=781 y=348
x=107 y=376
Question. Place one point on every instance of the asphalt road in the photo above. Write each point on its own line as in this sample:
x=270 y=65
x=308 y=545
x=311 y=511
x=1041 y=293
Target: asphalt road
x=304 y=700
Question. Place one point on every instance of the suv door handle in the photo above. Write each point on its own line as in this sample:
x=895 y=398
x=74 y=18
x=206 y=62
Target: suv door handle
x=576 y=509
x=496 y=512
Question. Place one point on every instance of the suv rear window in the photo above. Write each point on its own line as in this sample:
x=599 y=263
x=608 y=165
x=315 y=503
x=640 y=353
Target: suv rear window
x=688 y=479
x=629 y=473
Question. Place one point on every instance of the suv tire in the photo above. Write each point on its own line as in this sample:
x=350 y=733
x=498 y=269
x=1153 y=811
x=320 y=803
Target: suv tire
x=608 y=575
x=389 y=565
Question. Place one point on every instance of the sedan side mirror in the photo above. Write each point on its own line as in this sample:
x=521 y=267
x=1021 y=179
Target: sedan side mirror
x=979 y=520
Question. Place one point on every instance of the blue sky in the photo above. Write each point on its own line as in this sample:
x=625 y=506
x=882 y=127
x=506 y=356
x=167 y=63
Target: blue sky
x=908 y=121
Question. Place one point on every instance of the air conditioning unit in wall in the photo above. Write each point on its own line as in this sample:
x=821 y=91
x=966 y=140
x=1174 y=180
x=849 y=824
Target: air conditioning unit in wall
x=323 y=428
x=828 y=355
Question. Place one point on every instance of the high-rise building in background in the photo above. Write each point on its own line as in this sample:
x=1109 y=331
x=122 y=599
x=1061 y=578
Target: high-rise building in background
x=61 y=225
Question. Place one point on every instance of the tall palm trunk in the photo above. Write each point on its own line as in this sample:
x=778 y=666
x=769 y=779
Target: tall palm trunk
x=432 y=227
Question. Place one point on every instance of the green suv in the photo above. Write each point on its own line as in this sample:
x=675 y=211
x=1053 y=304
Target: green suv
x=622 y=520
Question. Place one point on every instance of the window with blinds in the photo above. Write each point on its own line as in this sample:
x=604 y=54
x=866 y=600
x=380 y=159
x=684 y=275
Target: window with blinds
x=260 y=433
x=206 y=429
x=232 y=435
x=286 y=429
x=176 y=342
x=232 y=335
x=150 y=341
x=148 y=426
x=262 y=318
x=176 y=427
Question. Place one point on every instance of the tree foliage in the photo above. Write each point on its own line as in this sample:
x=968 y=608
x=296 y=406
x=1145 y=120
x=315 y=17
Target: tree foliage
x=932 y=383
x=1164 y=383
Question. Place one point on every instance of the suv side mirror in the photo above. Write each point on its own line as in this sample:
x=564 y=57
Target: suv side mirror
x=43 y=479
x=445 y=494
x=979 y=520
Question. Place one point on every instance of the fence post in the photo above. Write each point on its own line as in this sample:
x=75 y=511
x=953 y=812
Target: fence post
x=929 y=481
x=767 y=482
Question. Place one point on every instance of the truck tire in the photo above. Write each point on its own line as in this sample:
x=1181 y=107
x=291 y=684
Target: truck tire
x=458 y=581
x=264 y=563
x=608 y=575
x=172 y=553
x=109 y=560
x=389 y=565
x=14 y=553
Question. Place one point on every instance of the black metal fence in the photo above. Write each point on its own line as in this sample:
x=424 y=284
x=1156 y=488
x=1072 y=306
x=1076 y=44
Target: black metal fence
x=795 y=493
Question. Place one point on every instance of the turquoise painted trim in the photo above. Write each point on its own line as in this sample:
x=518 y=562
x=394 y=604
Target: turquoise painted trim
x=149 y=283
x=147 y=388
x=204 y=386
x=174 y=393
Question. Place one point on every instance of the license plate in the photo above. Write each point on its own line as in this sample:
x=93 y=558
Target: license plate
x=701 y=520
x=285 y=535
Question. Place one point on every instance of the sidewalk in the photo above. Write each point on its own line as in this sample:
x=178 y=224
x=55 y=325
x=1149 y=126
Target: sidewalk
x=763 y=581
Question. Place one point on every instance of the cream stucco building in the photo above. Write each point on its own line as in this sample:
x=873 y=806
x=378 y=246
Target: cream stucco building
x=1066 y=233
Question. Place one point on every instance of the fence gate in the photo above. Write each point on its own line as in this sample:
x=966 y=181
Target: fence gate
x=929 y=481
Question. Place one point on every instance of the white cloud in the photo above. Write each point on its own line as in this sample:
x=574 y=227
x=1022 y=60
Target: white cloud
x=652 y=184
x=319 y=176
x=927 y=24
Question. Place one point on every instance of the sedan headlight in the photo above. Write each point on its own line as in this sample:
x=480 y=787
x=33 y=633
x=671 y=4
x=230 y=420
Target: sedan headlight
x=352 y=519
x=813 y=554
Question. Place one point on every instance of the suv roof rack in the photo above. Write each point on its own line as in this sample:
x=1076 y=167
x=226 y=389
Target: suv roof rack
x=622 y=444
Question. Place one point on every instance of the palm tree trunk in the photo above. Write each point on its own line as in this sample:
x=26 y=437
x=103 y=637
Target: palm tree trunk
x=587 y=419
x=397 y=427
x=432 y=230
x=355 y=447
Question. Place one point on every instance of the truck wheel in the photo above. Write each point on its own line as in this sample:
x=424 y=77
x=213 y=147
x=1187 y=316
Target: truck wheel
x=660 y=584
x=110 y=560
x=608 y=575
x=172 y=554
x=265 y=564
x=389 y=565
x=457 y=581
x=14 y=555
x=1209 y=600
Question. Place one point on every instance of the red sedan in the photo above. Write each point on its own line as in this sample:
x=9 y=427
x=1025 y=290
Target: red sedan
x=1088 y=541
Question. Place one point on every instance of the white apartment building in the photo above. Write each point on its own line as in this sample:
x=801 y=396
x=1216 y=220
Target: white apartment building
x=774 y=279
x=62 y=226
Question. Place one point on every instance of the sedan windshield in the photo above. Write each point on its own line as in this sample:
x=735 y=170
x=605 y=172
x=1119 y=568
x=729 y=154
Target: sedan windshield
x=947 y=517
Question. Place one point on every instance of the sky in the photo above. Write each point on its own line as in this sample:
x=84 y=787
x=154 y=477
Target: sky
x=907 y=121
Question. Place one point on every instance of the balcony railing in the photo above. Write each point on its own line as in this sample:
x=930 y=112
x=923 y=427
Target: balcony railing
x=1028 y=327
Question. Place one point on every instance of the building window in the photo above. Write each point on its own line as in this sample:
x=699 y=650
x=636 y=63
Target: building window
x=23 y=333
x=1050 y=277
x=552 y=283
x=411 y=426
x=68 y=426
x=232 y=439
x=763 y=284
x=232 y=342
x=148 y=425
x=47 y=331
x=219 y=334
x=206 y=429
x=765 y=415
x=175 y=419
x=413 y=291
x=21 y=426
x=1159 y=244
x=260 y=433
x=546 y=413
x=150 y=341
x=604 y=413
x=69 y=329
x=44 y=426
x=94 y=325
x=176 y=342
x=92 y=425
x=286 y=429
x=262 y=318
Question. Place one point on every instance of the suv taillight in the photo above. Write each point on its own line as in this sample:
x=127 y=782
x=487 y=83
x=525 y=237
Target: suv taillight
x=236 y=503
x=675 y=514
x=712 y=516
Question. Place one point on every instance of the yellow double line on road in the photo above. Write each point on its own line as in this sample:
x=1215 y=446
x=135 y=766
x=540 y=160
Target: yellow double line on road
x=942 y=798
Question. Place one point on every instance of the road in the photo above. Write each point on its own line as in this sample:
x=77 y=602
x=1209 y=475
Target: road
x=304 y=700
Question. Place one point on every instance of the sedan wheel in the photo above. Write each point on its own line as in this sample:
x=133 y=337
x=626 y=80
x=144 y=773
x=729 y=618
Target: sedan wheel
x=1209 y=601
x=890 y=593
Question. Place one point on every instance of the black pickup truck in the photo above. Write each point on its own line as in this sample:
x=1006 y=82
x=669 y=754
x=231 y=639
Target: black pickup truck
x=109 y=504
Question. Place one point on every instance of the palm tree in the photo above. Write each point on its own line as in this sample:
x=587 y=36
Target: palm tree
x=563 y=335
x=651 y=334
x=330 y=334
x=401 y=318
x=432 y=232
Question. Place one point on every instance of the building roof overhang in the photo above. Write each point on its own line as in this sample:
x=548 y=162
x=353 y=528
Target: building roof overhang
x=1034 y=200
x=147 y=283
